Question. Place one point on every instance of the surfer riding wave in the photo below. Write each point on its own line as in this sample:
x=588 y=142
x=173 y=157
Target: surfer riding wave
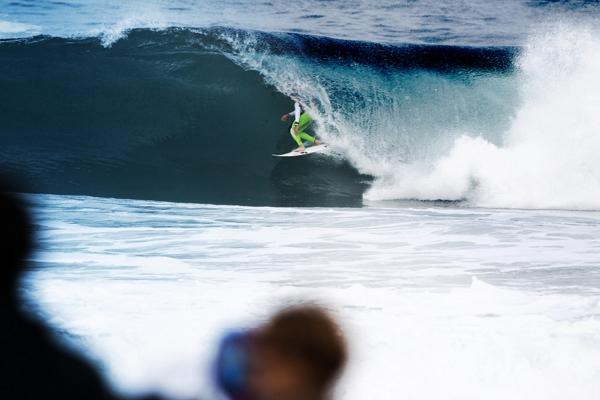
x=302 y=121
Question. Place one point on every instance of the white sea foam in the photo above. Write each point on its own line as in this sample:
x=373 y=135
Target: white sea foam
x=437 y=302
x=549 y=155
x=10 y=29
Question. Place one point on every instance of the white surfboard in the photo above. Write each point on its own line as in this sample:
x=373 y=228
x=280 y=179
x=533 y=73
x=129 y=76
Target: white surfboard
x=318 y=148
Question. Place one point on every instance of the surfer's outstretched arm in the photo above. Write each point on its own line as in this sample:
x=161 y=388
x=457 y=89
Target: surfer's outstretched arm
x=296 y=113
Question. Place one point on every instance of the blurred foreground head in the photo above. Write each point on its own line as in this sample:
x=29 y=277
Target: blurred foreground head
x=298 y=354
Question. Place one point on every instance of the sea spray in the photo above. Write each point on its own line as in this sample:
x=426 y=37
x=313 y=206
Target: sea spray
x=548 y=157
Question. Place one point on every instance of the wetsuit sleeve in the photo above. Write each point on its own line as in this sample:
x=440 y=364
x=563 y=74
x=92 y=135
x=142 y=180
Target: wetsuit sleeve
x=297 y=112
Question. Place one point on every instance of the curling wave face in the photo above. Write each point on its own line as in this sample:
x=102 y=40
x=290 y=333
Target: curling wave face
x=192 y=115
x=179 y=114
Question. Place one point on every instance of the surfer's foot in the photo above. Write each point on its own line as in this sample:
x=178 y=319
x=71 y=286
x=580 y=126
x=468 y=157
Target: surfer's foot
x=300 y=149
x=317 y=142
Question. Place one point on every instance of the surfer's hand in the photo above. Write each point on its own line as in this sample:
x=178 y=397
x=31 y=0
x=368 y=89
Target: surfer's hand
x=284 y=117
x=296 y=127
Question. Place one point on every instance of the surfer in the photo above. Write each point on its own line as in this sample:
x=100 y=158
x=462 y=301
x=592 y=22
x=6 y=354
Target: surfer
x=301 y=121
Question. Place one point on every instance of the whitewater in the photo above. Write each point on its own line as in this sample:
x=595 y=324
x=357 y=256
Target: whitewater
x=453 y=231
x=437 y=302
x=548 y=154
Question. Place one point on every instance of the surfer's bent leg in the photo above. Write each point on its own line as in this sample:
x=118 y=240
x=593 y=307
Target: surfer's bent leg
x=305 y=121
x=307 y=137
x=296 y=138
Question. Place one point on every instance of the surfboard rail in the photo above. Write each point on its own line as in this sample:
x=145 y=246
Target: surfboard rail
x=318 y=148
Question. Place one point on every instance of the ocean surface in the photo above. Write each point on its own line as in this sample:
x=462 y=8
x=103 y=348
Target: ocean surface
x=453 y=229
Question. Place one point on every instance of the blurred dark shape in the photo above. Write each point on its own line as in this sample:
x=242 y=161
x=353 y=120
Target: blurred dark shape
x=297 y=355
x=32 y=365
x=16 y=242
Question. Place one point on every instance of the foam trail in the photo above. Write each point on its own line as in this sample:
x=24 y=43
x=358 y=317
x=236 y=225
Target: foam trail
x=549 y=157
